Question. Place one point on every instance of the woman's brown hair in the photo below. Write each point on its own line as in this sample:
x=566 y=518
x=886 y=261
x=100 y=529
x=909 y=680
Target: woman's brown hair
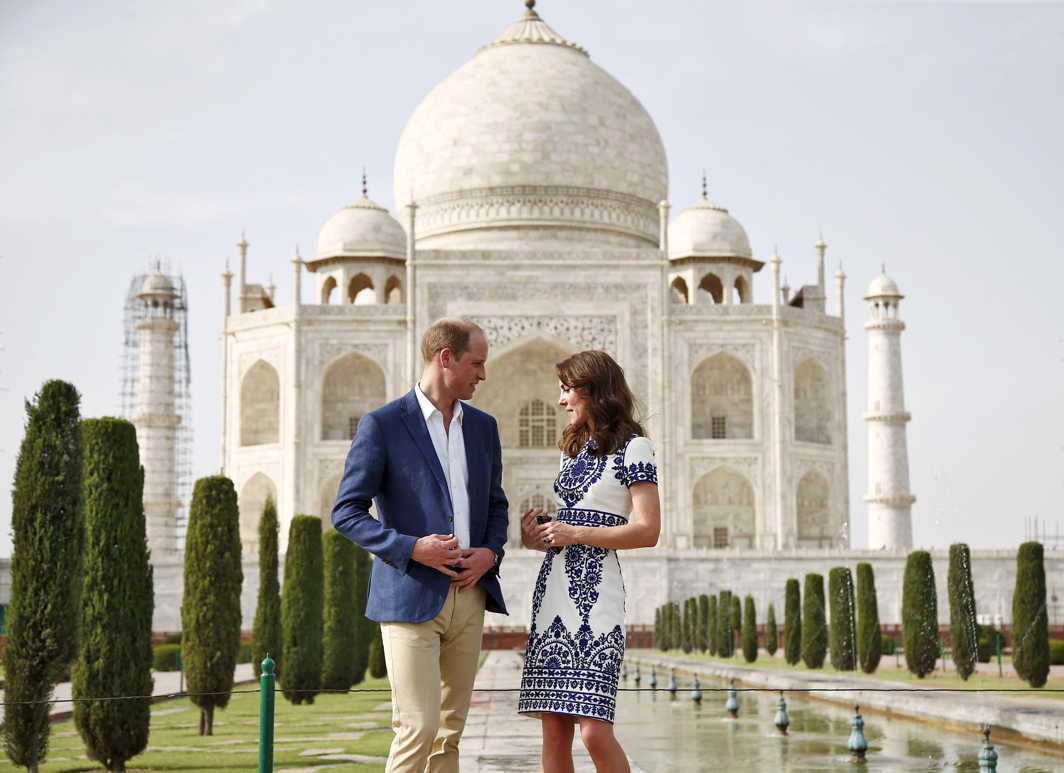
x=610 y=404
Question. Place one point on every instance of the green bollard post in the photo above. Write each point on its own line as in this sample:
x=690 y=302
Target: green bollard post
x=266 y=687
x=997 y=644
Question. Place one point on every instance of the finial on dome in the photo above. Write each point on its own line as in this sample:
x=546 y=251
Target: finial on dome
x=705 y=190
x=530 y=4
x=883 y=269
x=365 y=187
x=821 y=246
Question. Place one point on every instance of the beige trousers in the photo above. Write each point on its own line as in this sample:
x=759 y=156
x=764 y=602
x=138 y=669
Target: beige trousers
x=431 y=667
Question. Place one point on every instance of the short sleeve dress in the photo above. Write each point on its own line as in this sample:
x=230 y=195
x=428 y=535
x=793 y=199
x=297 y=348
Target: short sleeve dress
x=576 y=639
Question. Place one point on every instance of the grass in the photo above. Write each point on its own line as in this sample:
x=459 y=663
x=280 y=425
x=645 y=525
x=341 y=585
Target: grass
x=887 y=671
x=305 y=736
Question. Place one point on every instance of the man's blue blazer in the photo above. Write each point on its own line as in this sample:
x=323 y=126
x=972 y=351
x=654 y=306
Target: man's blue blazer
x=393 y=464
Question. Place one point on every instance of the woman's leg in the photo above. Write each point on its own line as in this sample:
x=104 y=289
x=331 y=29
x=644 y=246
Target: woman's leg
x=604 y=749
x=557 y=743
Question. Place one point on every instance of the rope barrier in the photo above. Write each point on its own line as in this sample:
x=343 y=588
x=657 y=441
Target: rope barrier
x=775 y=690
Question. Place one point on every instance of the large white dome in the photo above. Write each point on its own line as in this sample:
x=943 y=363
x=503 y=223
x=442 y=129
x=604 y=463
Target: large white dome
x=530 y=139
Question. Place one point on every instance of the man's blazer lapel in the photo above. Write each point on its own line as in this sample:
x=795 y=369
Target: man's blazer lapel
x=419 y=431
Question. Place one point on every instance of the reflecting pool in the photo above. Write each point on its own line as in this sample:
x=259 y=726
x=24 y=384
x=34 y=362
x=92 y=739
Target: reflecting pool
x=662 y=733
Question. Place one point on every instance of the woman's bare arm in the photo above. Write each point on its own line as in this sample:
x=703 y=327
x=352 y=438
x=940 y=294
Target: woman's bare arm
x=641 y=531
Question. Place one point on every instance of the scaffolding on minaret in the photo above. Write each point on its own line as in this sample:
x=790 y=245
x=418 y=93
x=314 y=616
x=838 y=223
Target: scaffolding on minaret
x=134 y=314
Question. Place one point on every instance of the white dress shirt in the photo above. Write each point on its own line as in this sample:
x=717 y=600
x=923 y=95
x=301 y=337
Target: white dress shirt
x=450 y=450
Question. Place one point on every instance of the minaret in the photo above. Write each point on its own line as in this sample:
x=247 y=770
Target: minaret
x=889 y=500
x=154 y=413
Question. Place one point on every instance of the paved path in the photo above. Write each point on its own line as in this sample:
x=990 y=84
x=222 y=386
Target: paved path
x=496 y=738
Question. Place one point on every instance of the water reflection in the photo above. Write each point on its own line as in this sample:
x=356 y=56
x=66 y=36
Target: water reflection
x=672 y=734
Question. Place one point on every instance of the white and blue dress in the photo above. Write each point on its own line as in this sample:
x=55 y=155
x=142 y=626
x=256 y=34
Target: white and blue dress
x=576 y=640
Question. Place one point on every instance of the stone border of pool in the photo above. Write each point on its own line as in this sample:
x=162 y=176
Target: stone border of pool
x=1034 y=722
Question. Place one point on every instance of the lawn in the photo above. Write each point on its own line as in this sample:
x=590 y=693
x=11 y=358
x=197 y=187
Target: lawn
x=348 y=730
x=887 y=671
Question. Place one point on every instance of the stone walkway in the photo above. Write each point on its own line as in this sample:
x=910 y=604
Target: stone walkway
x=496 y=738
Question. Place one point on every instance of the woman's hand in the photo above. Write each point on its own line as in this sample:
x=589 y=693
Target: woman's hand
x=557 y=534
x=530 y=536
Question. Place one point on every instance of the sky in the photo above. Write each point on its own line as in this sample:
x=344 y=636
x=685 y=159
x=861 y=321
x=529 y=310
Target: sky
x=922 y=136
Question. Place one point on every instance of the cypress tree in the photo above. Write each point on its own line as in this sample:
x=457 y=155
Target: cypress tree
x=47 y=536
x=736 y=620
x=814 y=622
x=301 y=610
x=919 y=614
x=725 y=639
x=657 y=628
x=339 y=630
x=363 y=625
x=749 y=630
x=210 y=608
x=841 y=632
x=690 y=614
x=869 y=639
x=266 y=631
x=711 y=625
x=963 y=628
x=772 y=635
x=1030 y=624
x=702 y=624
x=792 y=622
x=378 y=667
x=675 y=626
x=115 y=656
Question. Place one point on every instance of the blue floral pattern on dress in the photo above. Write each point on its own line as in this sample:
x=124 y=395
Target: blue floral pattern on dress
x=576 y=640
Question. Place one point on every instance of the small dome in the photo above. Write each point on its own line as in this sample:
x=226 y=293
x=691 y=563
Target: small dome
x=157 y=284
x=706 y=230
x=883 y=287
x=361 y=230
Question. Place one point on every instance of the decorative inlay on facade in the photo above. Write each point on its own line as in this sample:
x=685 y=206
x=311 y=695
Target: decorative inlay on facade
x=749 y=466
x=823 y=467
x=538 y=204
x=889 y=418
x=583 y=332
x=889 y=325
x=249 y=358
x=826 y=360
x=329 y=351
x=329 y=467
x=747 y=352
x=902 y=500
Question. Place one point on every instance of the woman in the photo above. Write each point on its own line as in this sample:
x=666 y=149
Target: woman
x=608 y=501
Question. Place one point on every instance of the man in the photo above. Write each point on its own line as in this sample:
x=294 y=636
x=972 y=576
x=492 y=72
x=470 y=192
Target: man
x=433 y=466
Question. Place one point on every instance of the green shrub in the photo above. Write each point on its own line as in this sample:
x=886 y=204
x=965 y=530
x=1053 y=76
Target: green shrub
x=842 y=632
x=687 y=637
x=47 y=535
x=919 y=614
x=701 y=624
x=792 y=622
x=963 y=629
x=711 y=625
x=736 y=619
x=870 y=641
x=340 y=626
x=675 y=626
x=725 y=638
x=814 y=622
x=1030 y=623
x=887 y=645
x=301 y=610
x=1056 y=652
x=246 y=653
x=115 y=655
x=174 y=638
x=772 y=635
x=749 y=630
x=657 y=628
x=166 y=657
x=210 y=607
x=989 y=636
x=266 y=630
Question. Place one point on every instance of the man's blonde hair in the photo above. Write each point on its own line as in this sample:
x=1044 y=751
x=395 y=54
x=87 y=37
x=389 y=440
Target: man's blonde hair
x=448 y=333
